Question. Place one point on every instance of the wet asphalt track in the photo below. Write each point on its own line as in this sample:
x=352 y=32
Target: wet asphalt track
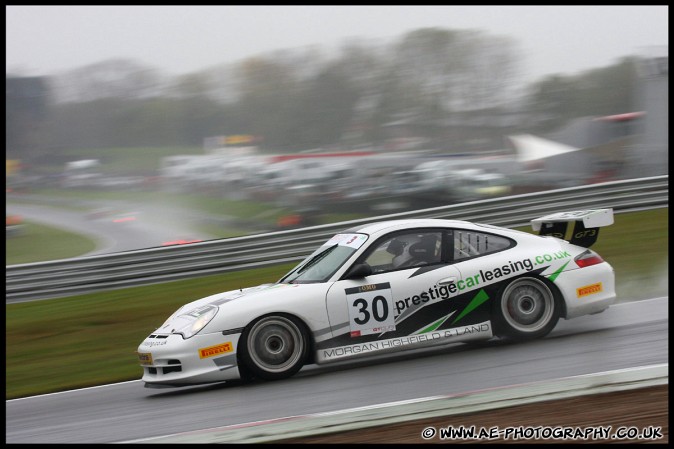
x=627 y=335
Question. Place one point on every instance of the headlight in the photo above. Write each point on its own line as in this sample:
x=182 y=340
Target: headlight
x=189 y=323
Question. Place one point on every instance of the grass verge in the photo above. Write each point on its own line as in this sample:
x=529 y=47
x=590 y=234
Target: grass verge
x=36 y=243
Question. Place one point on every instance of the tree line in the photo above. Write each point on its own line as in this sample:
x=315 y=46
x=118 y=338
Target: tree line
x=310 y=98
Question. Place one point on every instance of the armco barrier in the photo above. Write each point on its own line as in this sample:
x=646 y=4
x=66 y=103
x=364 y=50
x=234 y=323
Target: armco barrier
x=53 y=279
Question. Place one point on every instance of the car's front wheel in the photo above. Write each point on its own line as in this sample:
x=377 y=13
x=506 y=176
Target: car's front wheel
x=274 y=347
x=526 y=309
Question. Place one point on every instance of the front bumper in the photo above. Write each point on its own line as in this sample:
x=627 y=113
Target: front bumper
x=170 y=360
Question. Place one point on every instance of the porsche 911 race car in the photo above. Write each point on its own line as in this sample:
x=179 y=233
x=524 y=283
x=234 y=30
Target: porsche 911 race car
x=386 y=287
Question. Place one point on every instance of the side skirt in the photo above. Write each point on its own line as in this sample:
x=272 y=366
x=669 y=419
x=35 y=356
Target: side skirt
x=478 y=331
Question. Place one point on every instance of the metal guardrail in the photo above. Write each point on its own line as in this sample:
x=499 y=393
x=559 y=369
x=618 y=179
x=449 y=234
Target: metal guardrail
x=69 y=277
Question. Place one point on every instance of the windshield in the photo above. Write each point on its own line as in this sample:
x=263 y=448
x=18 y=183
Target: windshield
x=326 y=260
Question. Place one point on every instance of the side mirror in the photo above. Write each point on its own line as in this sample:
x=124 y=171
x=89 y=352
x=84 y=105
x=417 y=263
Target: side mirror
x=358 y=271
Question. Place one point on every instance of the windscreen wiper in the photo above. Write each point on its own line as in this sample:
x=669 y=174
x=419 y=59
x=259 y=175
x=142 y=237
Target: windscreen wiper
x=313 y=261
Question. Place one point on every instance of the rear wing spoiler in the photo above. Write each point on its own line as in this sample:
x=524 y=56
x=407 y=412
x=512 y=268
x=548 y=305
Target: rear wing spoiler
x=586 y=228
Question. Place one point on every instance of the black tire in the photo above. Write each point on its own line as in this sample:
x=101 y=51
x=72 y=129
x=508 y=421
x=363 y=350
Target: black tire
x=526 y=308
x=274 y=347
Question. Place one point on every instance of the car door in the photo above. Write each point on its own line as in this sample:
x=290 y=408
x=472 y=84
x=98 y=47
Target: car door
x=405 y=297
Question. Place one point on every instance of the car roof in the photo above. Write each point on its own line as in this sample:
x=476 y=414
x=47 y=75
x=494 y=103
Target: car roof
x=393 y=225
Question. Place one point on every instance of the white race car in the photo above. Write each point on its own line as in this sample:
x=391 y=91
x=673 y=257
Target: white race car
x=387 y=287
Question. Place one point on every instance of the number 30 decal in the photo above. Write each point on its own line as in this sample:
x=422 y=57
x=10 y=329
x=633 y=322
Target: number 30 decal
x=370 y=309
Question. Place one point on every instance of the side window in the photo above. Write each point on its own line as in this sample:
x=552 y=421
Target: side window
x=406 y=250
x=471 y=244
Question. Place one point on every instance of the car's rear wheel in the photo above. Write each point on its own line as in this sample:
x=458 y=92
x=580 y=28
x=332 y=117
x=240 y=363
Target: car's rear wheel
x=526 y=308
x=274 y=347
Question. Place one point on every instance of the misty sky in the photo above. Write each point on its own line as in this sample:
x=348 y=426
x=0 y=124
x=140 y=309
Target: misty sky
x=47 y=40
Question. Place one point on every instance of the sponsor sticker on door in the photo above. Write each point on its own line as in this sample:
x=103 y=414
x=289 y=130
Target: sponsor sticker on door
x=370 y=309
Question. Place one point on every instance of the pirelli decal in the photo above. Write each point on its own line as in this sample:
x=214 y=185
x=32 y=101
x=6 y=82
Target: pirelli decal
x=589 y=290
x=212 y=351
